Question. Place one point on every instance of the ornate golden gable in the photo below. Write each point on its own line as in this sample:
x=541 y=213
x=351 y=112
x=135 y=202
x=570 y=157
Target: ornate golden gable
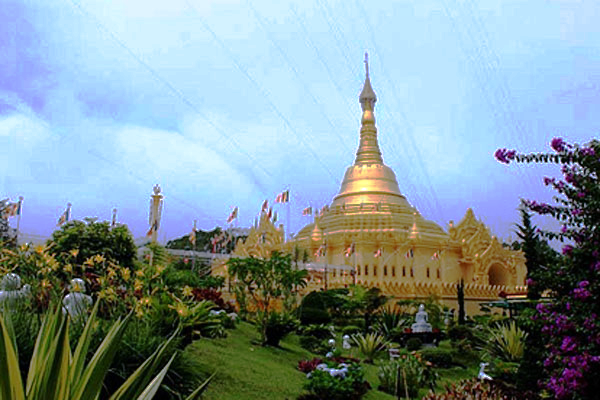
x=261 y=241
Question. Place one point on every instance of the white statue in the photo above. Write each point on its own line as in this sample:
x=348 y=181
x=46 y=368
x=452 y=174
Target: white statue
x=76 y=303
x=11 y=291
x=482 y=376
x=421 y=324
x=346 y=342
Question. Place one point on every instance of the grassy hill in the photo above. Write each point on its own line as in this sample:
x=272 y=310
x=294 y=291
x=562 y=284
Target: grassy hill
x=248 y=371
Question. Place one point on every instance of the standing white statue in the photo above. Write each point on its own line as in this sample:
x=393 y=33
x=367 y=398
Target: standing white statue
x=76 y=303
x=11 y=291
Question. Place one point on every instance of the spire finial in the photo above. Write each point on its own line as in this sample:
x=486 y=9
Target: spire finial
x=367 y=63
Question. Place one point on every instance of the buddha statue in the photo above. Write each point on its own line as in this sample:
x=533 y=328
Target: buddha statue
x=421 y=324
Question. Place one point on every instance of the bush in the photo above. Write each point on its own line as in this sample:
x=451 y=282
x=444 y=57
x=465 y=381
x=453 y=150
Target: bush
x=439 y=357
x=370 y=345
x=407 y=373
x=475 y=389
x=322 y=385
x=318 y=331
x=313 y=309
x=278 y=325
x=460 y=332
x=506 y=342
x=413 y=344
x=351 y=330
x=314 y=345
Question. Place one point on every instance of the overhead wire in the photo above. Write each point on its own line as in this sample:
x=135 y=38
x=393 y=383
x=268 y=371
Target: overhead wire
x=419 y=158
x=261 y=89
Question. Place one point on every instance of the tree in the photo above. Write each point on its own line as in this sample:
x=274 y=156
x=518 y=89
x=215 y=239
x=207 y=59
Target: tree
x=260 y=284
x=570 y=325
x=460 y=293
x=6 y=235
x=94 y=238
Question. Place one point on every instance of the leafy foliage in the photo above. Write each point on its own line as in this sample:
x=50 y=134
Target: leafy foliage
x=370 y=345
x=570 y=326
x=56 y=373
x=322 y=385
x=406 y=375
x=94 y=239
x=263 y=283
x=505 y=341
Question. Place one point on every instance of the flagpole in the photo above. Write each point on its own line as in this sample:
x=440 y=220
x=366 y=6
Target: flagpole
x=19 y=218
x=289 y=227
x=194 y=249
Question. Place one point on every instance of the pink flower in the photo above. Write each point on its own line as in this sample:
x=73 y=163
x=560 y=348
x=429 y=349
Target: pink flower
x=557 y=145
x=567 y=249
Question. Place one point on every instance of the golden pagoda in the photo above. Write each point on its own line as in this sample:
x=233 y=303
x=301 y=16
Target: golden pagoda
x=372 y=236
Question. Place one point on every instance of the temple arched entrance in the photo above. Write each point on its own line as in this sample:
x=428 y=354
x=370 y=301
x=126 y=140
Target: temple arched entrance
x=498 y=275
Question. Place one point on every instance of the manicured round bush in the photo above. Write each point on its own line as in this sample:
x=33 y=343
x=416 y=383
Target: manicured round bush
x=351 y=330
x=414 y=343
x=440 y=357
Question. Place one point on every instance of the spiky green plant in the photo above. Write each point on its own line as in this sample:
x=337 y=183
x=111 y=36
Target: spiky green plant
x=55 y=373
x=370 y=345
x=390 y=319
x=506 y=341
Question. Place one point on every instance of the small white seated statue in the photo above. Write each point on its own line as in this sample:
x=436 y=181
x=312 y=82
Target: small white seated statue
x=77 y=303
x=346 y=342
x=11 y=291
x=421 y=324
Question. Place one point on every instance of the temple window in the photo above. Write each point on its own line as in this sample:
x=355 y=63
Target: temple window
x=366 y=269
x=358 y=270
x=428 y=272
x=412 y=272
x=393 y=270
x=385 y=270
x=438 y=273
x=334 y=272
x=403 y=271
x=374 y=270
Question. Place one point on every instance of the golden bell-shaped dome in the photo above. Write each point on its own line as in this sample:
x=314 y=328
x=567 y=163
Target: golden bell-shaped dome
x=369 y=180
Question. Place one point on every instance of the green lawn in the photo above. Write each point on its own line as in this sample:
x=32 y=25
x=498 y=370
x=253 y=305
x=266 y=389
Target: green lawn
x=245 y=370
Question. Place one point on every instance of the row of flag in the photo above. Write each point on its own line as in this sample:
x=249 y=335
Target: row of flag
x=12 y=209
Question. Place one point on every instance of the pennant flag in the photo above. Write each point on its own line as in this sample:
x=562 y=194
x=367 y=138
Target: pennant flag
x=307 y=211
x=435 y=256
x=11 y=209
x=152 y=229
x=322 y=250
x=378 y=253
x=409 y=253
x=283 y=197
x=20 y=206
x=233 y=215
x=350 y=250
x=270 y=213
x=65 y=216
x=192 y=237
x=275 y=217
x=265 y=206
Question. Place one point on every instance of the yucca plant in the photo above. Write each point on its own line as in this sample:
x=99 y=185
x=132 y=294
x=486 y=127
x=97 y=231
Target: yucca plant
x=389 y=320
x=506 y=342
x=370 y=345
x=55 y=373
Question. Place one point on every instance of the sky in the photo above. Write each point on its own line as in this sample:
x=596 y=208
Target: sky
x=228 y=103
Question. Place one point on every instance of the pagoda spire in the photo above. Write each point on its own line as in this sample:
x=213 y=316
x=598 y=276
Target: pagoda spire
x=368 y=149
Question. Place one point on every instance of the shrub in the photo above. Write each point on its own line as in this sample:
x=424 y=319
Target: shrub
x=440 y=357
x=278 y=325
x=351 y=330
x=314 y=344
x=322 y=385
x=211 y=295
x=320 y=331
x=307 y=366
x=475 y=389
x=388 y=321
x=413 y=343
x=460 y=332
x=370 y=345
x=406 y=374
x=312 y=310
x=506 y=342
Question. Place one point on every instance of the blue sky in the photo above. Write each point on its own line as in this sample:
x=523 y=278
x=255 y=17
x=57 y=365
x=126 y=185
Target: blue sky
x=226 y=103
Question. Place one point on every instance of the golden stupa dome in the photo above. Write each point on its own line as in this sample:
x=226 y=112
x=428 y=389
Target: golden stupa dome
x=369 y=198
